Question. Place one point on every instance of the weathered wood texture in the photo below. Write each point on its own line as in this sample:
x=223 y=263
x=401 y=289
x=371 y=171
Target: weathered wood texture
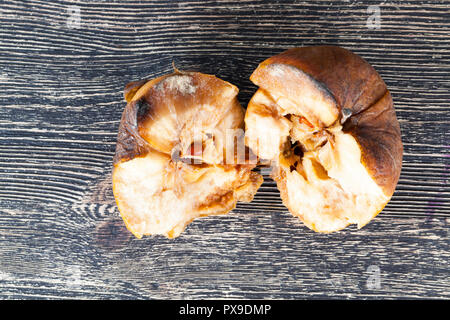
x=61 y=83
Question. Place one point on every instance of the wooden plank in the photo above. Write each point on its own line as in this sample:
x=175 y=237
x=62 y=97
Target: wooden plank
x=89 y=254
x=61 y=102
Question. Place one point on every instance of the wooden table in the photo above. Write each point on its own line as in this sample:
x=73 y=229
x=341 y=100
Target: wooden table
x=63 y=68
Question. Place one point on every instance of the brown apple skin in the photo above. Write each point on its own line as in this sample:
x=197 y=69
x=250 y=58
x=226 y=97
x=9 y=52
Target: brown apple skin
x=130 y=144
x=357 y=87
x=378 y=133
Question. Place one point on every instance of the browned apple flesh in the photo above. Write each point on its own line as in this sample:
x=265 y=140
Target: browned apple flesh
x=325 y=119
x=174 y=159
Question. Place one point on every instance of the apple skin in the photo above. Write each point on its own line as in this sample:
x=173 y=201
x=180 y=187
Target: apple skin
x=357 y=90
x=129 y=142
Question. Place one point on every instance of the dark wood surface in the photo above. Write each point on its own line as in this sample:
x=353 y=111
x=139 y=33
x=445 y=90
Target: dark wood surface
x=61 y=101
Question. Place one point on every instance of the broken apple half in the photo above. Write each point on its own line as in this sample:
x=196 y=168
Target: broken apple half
x=324 y=119
x=176 y=157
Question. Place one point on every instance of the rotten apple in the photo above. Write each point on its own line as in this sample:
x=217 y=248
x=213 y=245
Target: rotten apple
x=174 y=161
x=325 y=120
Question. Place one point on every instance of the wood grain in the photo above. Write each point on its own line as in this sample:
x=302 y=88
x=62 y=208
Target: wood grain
x=61 y=102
